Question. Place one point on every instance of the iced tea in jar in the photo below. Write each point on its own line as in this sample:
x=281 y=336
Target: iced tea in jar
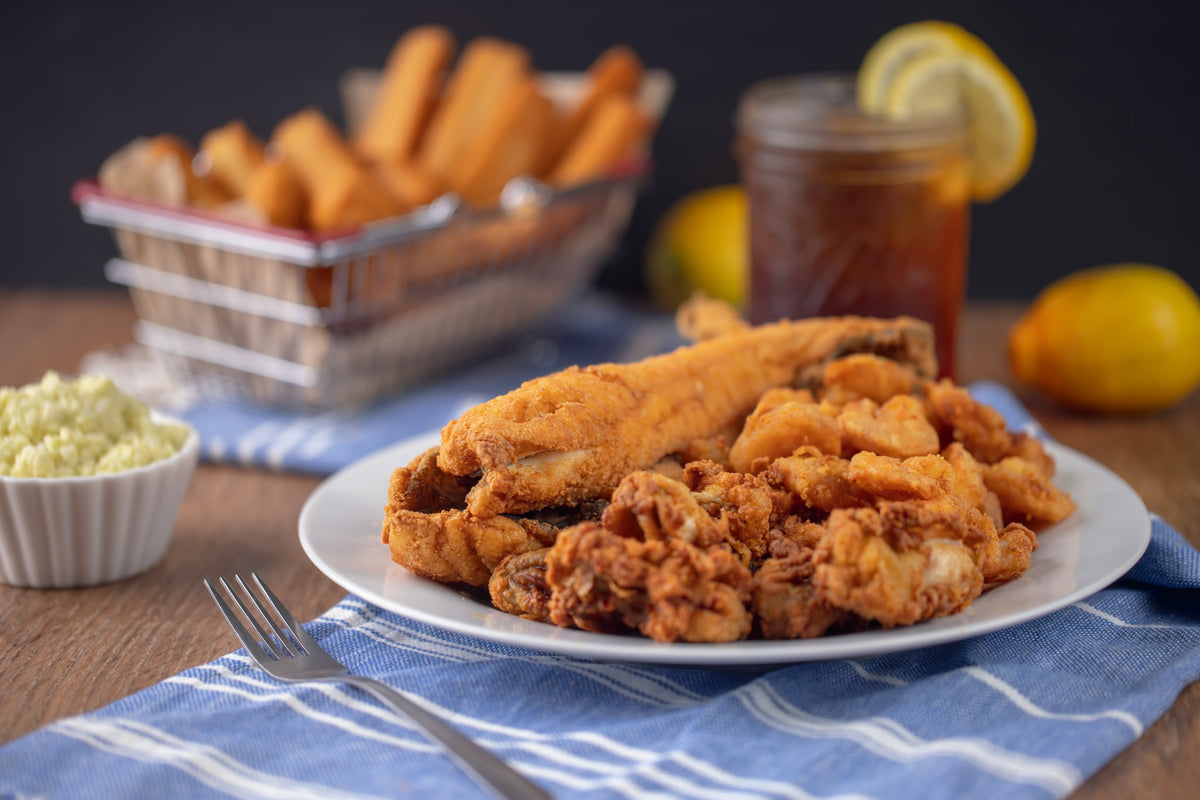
x=852 y=214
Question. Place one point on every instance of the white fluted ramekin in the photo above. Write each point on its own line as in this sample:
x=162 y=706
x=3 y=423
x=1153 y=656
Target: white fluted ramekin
x=64 y=532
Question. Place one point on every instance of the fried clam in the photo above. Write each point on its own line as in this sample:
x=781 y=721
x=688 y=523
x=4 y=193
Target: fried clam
x=518 y=585
x=747 y=505
x=658 y=562
x=570 y=437
x=786 y=603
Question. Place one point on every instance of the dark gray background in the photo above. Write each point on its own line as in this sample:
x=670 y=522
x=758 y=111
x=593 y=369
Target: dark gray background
x=1113 y=85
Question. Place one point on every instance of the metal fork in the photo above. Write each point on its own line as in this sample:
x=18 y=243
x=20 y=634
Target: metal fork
x=292 y=656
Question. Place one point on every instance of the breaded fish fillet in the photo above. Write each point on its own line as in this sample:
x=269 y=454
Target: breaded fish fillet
x=570 y=437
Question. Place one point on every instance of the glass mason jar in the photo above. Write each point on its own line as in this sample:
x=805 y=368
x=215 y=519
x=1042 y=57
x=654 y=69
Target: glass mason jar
x=852 y=214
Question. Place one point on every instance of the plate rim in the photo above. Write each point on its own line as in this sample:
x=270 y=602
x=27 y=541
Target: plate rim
x=745 y=653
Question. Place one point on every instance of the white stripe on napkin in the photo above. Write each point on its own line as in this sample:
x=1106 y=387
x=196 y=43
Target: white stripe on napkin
x=1032 y=709
x=319 y=443
x=256 y=437
x=871 y=676
x=275 y=694
x=1104 y=615
x=136 y=740
x=631 y=681
x=293 y=434
x=891 y=740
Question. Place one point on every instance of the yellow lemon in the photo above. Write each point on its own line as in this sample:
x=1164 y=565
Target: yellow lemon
x=938 y=69
x=1122 y=338
x=700 y=243
x=898 y=47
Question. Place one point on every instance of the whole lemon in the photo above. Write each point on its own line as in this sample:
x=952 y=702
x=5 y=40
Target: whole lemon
x=700 y=243
x=1119 y=339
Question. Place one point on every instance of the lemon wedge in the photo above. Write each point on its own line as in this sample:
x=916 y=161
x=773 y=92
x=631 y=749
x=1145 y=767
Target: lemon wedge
x=979 y=86
x=936 y=68
x=898 y=47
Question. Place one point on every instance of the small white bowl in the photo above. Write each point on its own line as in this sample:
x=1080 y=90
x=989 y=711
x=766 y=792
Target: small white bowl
x=65 y=532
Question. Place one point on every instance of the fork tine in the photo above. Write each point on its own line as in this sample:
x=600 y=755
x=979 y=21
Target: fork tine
x=252 y=645
x=273 y=648
x=291 y=646
x=293 y=626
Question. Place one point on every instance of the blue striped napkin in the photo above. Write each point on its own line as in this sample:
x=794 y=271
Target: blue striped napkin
x=1030 y=711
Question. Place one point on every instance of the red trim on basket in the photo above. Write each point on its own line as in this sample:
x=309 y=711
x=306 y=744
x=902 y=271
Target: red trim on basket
x=89 y=188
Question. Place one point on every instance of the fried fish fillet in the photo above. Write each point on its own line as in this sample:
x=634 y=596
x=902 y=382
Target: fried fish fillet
x=570 y=437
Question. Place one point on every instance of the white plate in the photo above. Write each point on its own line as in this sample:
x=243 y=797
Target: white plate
x=340 y=528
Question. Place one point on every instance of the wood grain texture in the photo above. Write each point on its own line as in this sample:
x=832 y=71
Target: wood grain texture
x=63 y=652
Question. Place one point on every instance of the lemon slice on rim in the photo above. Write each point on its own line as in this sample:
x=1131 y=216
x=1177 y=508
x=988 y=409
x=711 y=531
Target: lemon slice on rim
x=898 y=47
x=980 y=87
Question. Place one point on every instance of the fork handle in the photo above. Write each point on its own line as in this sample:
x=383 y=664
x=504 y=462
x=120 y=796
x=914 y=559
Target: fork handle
x=486 y=768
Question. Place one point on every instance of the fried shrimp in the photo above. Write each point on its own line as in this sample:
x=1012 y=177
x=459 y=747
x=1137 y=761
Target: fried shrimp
x=1025 y=491
x=980 y=428
x=887 y=478
x=898 y=428
x=817 y=480
x=778 y=427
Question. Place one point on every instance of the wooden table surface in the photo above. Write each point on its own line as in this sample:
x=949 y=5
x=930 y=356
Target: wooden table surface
x=63 y=652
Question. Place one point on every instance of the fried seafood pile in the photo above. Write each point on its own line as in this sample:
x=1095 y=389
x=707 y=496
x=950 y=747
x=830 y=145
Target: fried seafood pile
x=780 y=481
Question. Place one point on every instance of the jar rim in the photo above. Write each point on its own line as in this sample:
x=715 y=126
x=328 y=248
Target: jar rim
x=819 y=111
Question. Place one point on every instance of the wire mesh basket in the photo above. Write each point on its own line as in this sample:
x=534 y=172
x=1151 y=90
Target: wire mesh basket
x=288 y=318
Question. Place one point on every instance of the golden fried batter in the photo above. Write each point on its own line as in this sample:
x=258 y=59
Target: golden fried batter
x=896 y=567
x=778 y=427
x=429 y=533
x=1025 y=491
x=968 y=482
x=747 y=506
x=980 y=428
x=817 y=480
x=887 y=478
x=898 y=428
x=651 y=506
x=571 y=436
x=518 y=585
x=668 y=589
x=786 y=604
x=866 y=375
x=609 y=499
